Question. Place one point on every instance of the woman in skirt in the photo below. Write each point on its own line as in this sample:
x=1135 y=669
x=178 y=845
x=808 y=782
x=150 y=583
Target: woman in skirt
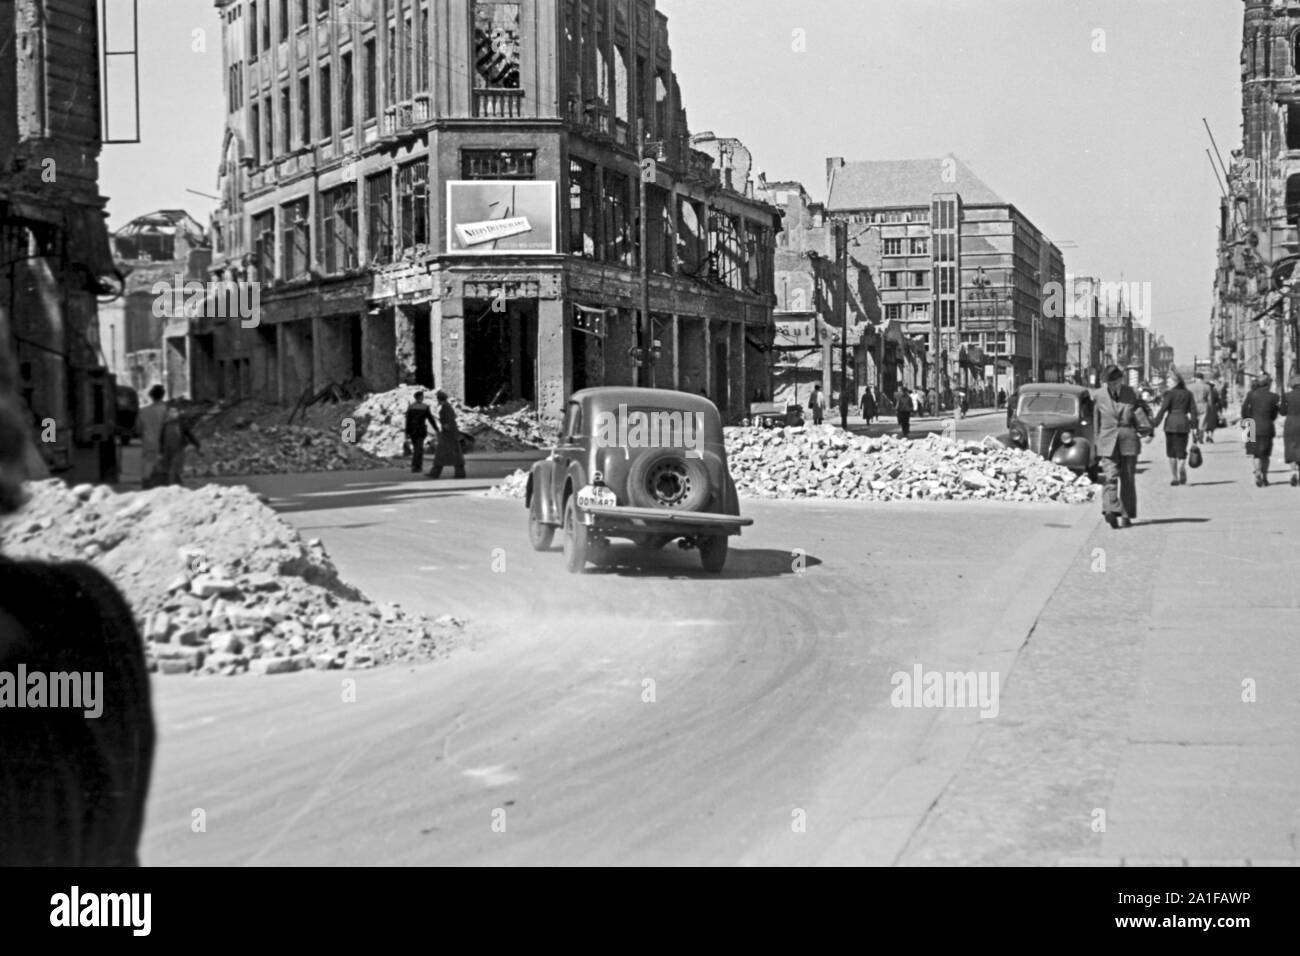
x=1180 y=407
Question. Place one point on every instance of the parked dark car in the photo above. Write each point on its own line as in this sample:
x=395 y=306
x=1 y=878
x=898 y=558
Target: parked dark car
x=644 y=464
x=1056 y=422
x=775 y=415
x=128 y=410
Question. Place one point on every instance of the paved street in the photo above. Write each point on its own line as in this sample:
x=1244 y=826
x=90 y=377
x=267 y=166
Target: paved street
x=654 y=714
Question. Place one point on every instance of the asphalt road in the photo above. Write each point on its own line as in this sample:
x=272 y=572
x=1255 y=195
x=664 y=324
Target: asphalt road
x=642 y=714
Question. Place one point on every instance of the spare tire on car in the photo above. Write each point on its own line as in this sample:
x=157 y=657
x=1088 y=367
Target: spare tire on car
x=668 y=479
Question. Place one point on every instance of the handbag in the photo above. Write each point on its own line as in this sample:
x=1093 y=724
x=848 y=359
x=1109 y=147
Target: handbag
x=1194 y=457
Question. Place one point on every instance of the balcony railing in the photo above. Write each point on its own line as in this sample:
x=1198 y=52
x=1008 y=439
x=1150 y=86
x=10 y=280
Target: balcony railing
x=420 y=108
x=498 y=104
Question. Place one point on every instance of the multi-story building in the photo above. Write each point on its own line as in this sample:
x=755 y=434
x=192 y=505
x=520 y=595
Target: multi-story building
x=960 y=267
x=1083 y=330
x=1258 y=218
x=158 y=254
x=808 y=324
x=54 y=252
x=448 y=193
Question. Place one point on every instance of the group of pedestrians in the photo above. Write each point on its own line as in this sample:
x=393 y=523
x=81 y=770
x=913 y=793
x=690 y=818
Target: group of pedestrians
x=164 y=434
x=419 y=418
x=1190 y=415
x=1259 y=413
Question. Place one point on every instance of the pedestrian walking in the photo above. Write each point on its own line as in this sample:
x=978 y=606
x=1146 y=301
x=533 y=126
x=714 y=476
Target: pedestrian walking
x=148 y=425
x=448 y=451
x=1201 y=394
x=1216 y=403
x=176 y=435
x=868 y=406
x=418 y=420
x=932 y=403
x=904 y=407
x=1260 y=408
x=963 y=404
x=844 y=409
x=1178 y=412
x=817 y=402
x=1119 y=420
x=1291 y=426
x=1002 y=397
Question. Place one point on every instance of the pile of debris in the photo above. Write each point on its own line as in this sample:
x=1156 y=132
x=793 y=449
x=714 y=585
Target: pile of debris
x=381 y=424
x=513 y=485
x=218 y=582
x=251 y=449
x=822 y=461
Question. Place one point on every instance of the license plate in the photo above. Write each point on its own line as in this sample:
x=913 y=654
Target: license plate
x=596 y=496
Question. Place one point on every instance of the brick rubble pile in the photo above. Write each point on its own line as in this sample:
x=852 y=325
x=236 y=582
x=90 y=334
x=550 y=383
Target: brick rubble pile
x=512 y=485
x=825 y=462
x=252 y=449
x=218 y=582
x=381 y=424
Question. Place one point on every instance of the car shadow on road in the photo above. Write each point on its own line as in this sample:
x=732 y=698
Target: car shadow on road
x=1140 y=523
x=379 y=493
x=629 y=561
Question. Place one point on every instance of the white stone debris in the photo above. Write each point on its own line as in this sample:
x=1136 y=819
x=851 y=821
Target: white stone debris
x=218 y=582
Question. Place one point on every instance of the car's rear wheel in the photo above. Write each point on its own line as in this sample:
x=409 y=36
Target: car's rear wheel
x=540 y=534
x=668 y=479
x=577 y=539
x=713 y=552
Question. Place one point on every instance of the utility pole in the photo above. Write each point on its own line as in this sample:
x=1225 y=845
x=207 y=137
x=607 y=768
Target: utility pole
x=842 y=274
x=646 y=169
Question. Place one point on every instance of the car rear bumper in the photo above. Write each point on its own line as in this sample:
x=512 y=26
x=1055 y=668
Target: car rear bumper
x=662 y=521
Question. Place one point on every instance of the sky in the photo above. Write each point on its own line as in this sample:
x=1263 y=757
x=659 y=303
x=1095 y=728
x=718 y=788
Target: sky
x=1085 y=114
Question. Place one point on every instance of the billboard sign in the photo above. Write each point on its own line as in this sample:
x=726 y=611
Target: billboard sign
x=496 y=217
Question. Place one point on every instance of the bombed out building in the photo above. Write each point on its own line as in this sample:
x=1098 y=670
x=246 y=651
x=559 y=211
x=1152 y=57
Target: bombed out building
x=448 y=193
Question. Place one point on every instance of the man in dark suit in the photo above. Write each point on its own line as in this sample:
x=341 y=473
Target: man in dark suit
x=1260 y=409
x=418 y=420
x=1119 y=417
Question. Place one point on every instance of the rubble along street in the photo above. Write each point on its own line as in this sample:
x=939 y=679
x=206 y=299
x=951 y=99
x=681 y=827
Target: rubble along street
x=275 y=450
x=822 y=461
x=381 y=424
x=218 y=582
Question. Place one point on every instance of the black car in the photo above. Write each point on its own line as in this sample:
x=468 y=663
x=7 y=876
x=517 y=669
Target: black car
x=1056 y=422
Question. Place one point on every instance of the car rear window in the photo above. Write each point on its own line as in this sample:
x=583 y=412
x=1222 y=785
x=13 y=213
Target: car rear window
x=648 y=427
x=1047 y=403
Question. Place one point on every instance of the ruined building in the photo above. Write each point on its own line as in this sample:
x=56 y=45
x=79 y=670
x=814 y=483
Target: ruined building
x=54 y=251
x=1253 y=328
x=807 y=348
x=448 y=192
x=154 y=253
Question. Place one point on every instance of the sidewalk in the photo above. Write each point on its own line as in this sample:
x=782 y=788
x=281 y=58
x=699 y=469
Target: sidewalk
x=1153 y=717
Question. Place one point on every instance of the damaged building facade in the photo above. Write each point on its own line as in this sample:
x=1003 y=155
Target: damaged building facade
x=447 y=193
x=54 y=252
x=1254 y=322
x=806 y=350
x=154 y=253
